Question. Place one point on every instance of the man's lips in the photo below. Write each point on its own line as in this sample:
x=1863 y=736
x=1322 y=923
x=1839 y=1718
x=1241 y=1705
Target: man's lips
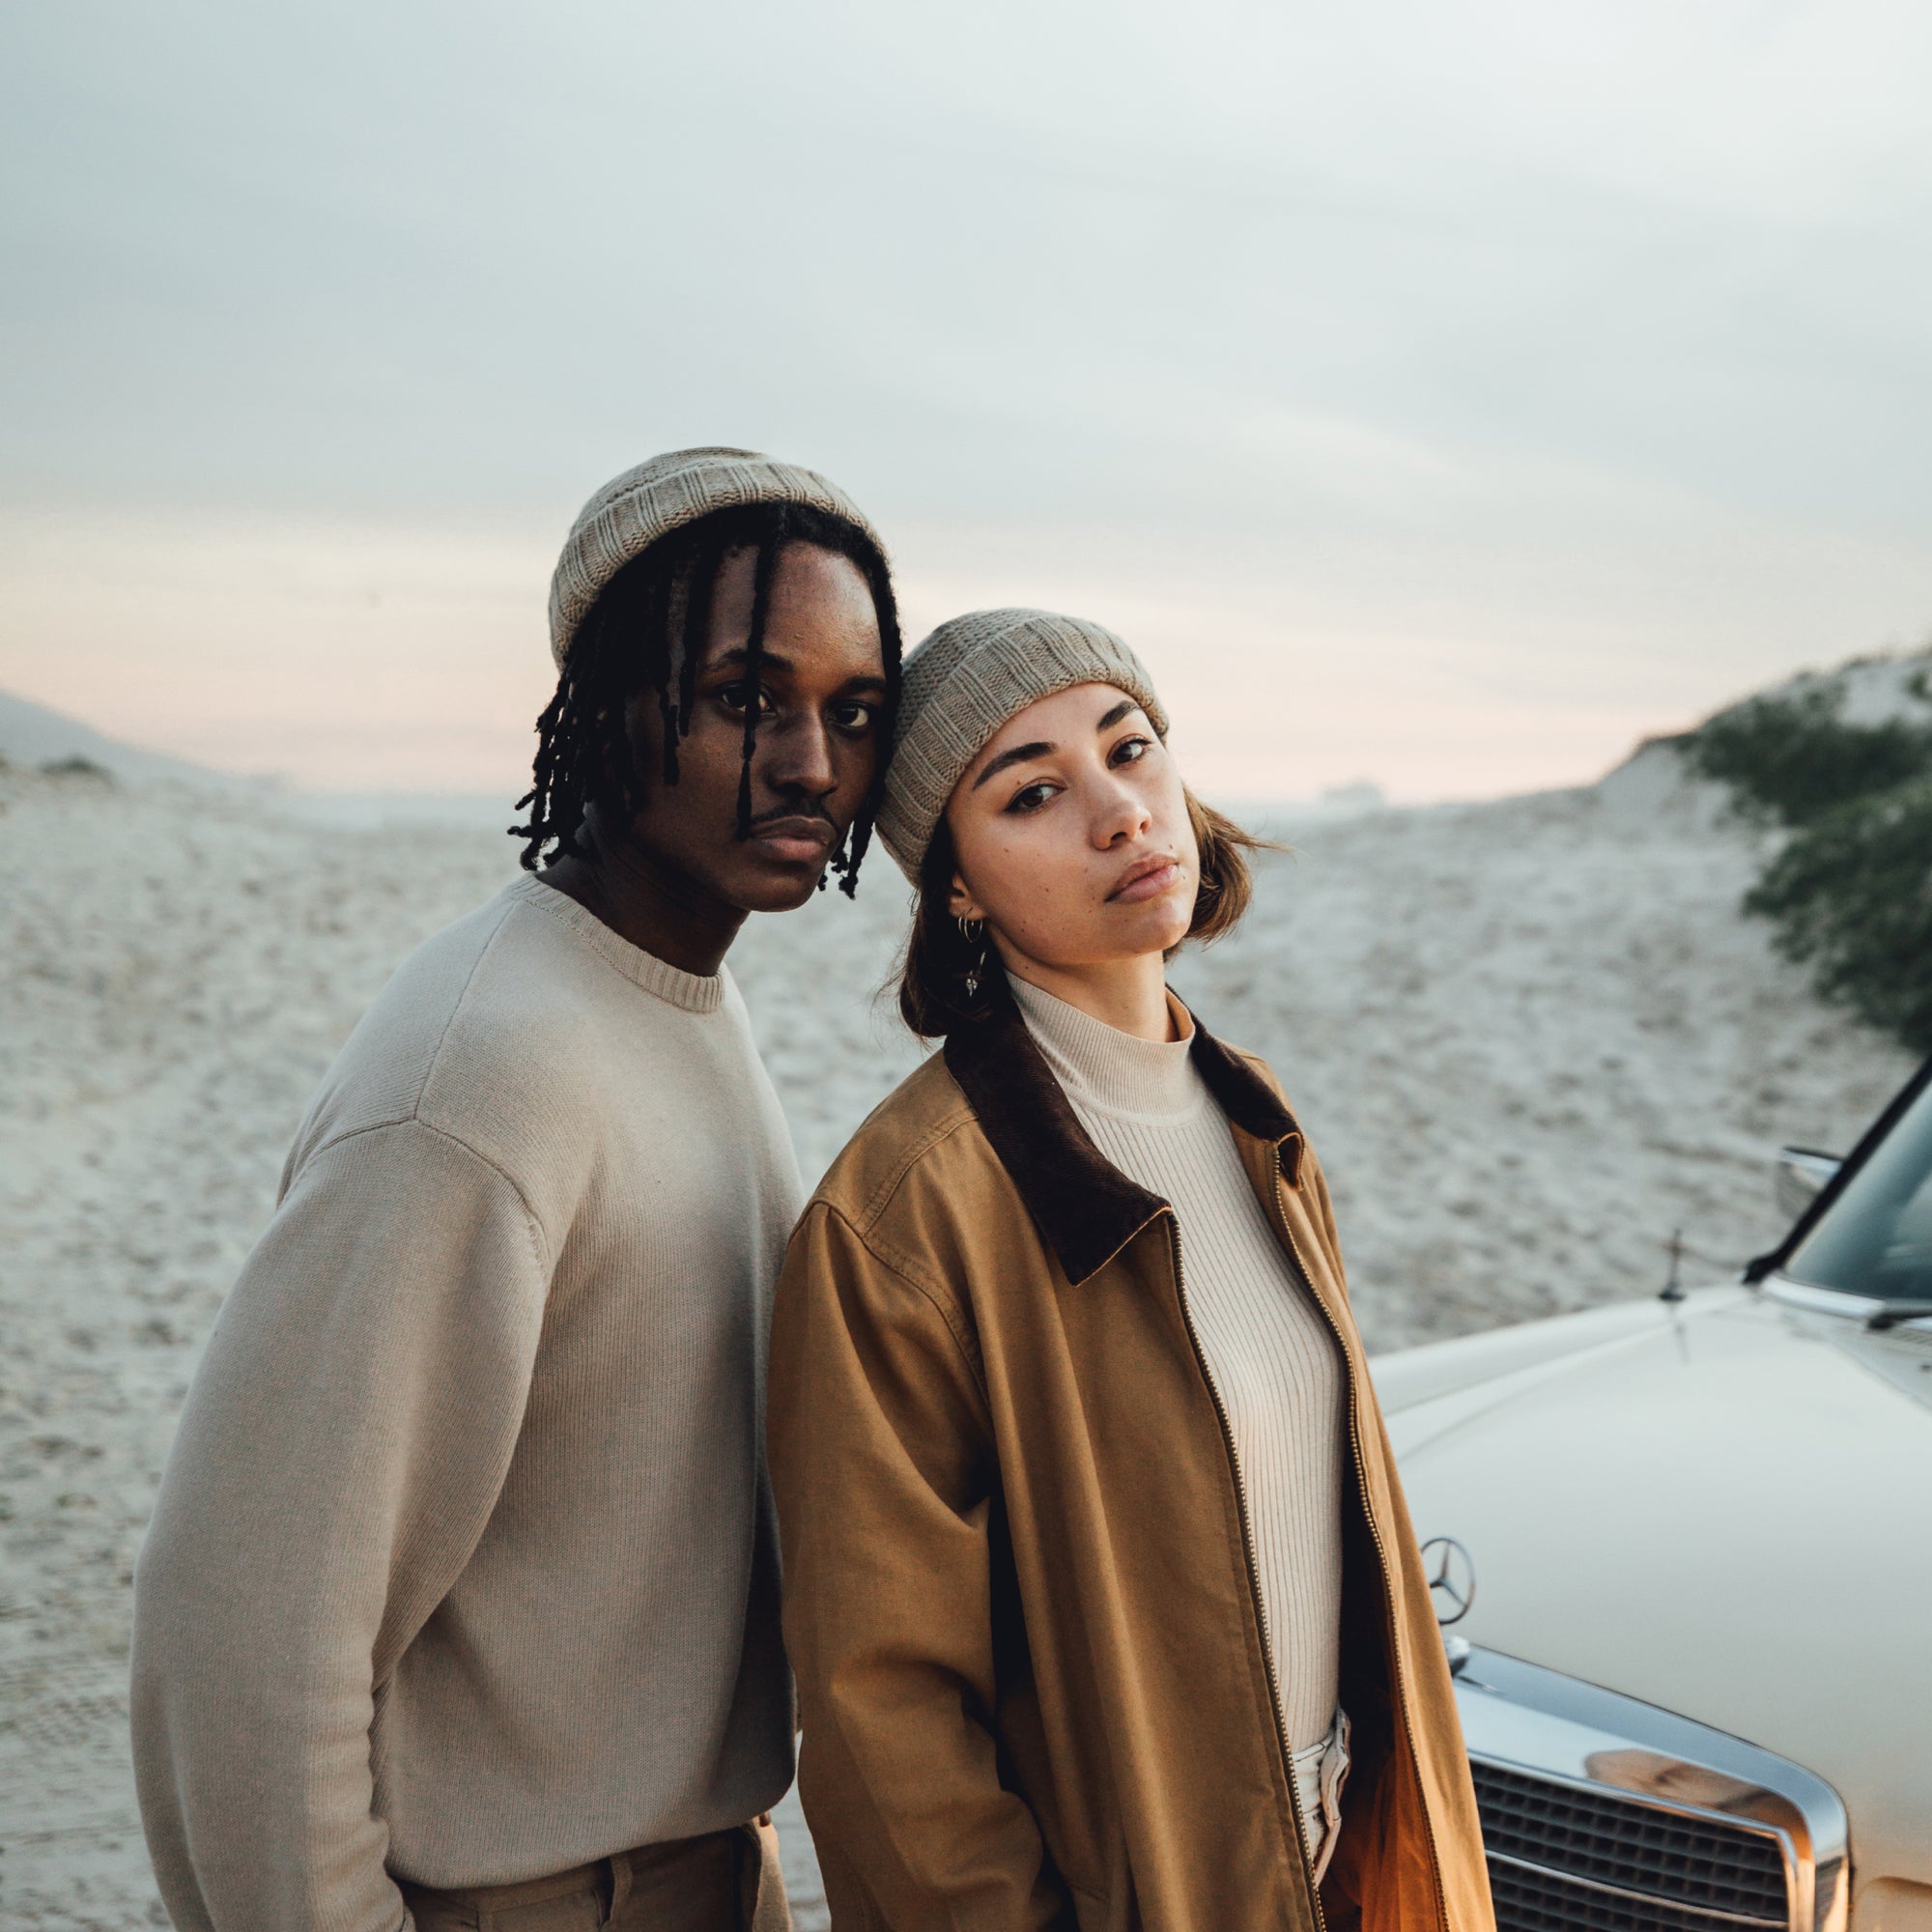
x=798 y=839
x=1146 y=879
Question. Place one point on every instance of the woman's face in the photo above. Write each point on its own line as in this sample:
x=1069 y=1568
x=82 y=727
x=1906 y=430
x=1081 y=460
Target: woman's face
x=1072 y=837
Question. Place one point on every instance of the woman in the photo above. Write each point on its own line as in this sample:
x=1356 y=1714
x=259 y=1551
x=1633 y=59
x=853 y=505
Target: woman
x=1101 y=1591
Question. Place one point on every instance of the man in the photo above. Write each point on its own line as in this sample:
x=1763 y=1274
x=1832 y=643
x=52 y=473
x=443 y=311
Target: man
x=459 y=1603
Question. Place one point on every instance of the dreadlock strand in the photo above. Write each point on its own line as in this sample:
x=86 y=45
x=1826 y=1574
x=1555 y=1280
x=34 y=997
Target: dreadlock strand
x=707 y=560
x=771 y=541
x=542 y=794
x=853 y=847
x=860 y=839
x=656 y=660
x=597 y=762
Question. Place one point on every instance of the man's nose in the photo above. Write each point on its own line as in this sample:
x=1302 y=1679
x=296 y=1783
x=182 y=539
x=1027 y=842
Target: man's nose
x=799 y=755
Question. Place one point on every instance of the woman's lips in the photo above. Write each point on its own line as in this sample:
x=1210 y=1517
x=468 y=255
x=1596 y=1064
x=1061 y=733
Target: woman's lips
x=1146 y=880
x=796 y=841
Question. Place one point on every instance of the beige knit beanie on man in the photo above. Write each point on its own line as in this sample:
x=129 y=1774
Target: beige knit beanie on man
x=633 y=510
x=964 y=682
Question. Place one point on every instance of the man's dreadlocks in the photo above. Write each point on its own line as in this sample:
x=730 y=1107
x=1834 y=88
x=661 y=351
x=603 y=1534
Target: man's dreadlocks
x=584 y=753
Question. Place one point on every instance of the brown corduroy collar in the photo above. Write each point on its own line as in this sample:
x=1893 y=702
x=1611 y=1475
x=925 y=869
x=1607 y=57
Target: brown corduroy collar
x=1087 y=1209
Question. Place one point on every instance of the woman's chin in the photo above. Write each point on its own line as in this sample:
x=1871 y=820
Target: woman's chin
x=1159 y=927
x=1120 y=933
x=1164 y=921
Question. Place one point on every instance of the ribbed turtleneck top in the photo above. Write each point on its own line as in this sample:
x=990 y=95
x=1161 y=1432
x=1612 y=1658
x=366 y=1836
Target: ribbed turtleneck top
x=1268 y=1352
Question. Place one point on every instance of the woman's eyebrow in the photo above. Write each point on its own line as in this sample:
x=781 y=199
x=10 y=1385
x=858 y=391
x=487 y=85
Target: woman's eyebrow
x=1018 y=756
x=1115 y=716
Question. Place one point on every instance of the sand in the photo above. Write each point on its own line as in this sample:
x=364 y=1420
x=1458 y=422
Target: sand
x=1532 y=1039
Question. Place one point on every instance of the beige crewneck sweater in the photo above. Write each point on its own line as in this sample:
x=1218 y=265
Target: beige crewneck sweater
x=1268 y=1352
x=464 y=1566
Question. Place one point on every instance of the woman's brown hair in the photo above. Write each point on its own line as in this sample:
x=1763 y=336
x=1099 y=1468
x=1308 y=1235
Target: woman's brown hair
x=935 y=995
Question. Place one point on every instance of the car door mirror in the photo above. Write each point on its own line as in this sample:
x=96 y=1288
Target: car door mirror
x=1802 y=1176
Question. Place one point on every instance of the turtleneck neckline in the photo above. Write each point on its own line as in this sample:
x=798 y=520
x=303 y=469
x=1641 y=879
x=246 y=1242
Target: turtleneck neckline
x=1105 y=1068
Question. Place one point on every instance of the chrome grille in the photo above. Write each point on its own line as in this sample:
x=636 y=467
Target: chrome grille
x=1540 y=1901
x=1561 y=1856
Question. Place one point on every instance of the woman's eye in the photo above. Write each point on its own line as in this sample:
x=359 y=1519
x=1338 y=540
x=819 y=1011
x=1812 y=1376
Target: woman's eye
x=853 y=716
x=1130 y=749
x=1030 y=798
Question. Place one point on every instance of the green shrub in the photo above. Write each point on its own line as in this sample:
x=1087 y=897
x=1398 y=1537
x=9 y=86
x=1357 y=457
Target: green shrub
x=1851 y=896
x=1796 y=758
x=1851 y=891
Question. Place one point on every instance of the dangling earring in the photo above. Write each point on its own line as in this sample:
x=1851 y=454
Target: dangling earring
x=971 y=929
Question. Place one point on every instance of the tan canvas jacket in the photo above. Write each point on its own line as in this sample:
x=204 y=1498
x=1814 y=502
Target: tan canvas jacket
x=1020 y=1596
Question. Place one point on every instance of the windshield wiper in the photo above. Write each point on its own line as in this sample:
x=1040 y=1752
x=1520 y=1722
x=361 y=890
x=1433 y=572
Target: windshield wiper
x=1899 y=1311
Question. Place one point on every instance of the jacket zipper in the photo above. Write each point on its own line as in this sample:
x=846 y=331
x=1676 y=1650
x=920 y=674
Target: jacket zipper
x=1254 y=1571
x=1381 y=1549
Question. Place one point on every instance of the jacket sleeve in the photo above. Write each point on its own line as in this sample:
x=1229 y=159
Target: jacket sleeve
x=882 y=1460
x=340 y=1453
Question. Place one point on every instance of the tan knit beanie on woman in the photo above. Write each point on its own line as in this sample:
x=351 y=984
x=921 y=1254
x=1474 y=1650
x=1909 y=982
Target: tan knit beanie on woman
x=964 y=682
x=633 y=510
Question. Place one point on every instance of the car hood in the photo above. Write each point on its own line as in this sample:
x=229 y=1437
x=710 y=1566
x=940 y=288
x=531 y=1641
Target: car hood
x=1723 y=1508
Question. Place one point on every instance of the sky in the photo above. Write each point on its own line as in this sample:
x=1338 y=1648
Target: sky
x=1444 y=397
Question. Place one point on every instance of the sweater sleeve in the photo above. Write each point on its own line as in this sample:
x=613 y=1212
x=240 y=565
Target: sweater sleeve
x=882 y=1459
x=339 y=1456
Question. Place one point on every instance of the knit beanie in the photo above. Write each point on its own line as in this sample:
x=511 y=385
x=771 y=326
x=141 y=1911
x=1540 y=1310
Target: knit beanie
x=633 y=510
x=964 y=682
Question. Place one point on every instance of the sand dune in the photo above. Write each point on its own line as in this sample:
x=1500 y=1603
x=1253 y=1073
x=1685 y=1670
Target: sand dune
x=1531 y=1038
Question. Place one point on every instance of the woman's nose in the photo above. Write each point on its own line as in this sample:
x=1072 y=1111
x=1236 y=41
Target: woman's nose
x=1122 y=815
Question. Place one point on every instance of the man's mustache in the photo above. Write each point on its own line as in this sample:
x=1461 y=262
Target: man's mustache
x=799 y=809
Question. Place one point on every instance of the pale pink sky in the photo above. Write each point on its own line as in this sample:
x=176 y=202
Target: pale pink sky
x=361 y=657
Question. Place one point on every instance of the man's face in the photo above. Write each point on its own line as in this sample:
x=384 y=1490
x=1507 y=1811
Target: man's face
x=822 y=688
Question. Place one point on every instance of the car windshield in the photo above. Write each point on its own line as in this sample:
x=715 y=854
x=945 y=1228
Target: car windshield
x=1876 y=1238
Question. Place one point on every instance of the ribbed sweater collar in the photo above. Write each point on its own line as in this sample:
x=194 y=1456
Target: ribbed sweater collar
x=694 y=992
x=1100 y=1066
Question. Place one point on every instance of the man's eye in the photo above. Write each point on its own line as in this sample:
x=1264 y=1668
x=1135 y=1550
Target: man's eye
x=854 y=715
x=1130 y=749
x=1030 y=798
x=737 y=696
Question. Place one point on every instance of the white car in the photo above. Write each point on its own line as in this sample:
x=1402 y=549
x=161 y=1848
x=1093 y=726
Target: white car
x=1693 y=1541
